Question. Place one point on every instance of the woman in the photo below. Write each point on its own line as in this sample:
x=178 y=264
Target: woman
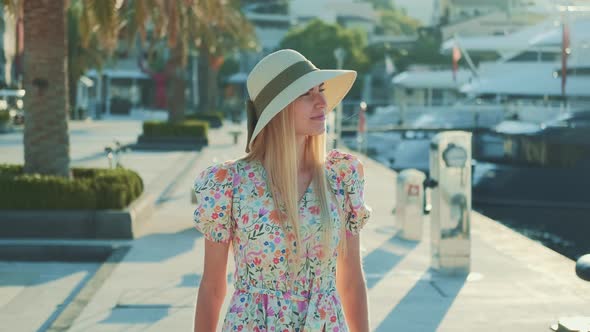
x=291 y=213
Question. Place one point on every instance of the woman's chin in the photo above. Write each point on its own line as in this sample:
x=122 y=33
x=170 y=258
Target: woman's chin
x=312 y=131
x=318 y=132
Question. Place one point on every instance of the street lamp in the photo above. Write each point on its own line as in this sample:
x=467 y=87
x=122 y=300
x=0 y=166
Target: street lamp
x=339 y=54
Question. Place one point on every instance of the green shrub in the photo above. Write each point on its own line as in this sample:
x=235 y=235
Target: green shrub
x=85 y=172
x=111 y=195
x=4 y=116
x=189 y=128
x=215 y=119
x=10 y=170
x=89 y=189
x=117 y=187
x=32 y=192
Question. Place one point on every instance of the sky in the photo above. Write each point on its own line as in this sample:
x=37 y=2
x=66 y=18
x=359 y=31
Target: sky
x=418 y=9
x=423 y=9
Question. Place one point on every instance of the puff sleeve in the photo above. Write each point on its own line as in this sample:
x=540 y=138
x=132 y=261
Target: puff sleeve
x=213 y=189
x=350 y=175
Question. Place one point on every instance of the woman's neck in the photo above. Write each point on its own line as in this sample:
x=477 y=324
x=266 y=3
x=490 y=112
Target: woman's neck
x=300 y=149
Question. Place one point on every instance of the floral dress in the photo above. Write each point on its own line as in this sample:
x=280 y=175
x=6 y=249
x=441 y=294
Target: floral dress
x=235 y=204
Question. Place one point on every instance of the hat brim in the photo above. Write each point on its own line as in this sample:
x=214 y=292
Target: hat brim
x=337 y=83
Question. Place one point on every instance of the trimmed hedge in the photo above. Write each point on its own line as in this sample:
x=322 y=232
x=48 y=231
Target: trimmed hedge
x=215 y=119
x=4 y=116
x=90 y=189
x=189 y=128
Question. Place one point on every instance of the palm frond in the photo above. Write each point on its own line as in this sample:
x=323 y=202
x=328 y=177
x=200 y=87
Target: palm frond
x=106 y=19
x=13 y=7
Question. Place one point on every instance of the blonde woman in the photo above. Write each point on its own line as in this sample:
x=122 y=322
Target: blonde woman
x=291 y=212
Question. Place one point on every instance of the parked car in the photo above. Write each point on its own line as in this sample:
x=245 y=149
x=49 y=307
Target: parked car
x=17 y=116
x=12 y=101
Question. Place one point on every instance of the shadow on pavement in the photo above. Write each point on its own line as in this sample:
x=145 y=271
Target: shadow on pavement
x=382 y=260
x=424 y=307
x=163 y=246
x=193 y=280
x=137 y=314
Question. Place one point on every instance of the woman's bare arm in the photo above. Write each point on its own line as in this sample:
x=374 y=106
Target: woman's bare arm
x=350 y=282
x=212 y=288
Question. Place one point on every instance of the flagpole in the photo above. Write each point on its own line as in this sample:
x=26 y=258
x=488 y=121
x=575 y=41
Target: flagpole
x=361 y=137
x=565 y=51
x=339 y=54
x=467 y=57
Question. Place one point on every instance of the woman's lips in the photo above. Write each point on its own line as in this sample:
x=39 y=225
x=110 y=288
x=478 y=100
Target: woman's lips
x=319 y=117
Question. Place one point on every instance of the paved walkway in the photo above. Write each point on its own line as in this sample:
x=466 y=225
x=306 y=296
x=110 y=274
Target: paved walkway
x=515 y=284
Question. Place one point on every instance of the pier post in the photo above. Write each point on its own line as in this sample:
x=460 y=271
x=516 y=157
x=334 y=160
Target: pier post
x=409 y=209
x=450 y=171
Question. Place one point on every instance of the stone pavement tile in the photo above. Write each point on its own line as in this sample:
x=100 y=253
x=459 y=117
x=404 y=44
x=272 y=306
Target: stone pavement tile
x=515 y=284
x=32 y=293
x=502 y=292
x=159 y=170
x=160 y=274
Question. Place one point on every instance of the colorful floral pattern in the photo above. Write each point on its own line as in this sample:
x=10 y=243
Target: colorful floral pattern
x=234 y=204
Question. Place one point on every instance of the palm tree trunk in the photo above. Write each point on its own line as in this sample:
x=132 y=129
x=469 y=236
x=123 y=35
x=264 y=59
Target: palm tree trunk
x=46 y=140
x=177 y=87
x=73 y=92
x=204 y=77
x=213 y=89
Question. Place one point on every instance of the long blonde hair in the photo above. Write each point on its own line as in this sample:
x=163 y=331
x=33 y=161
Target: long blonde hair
x=275 y=146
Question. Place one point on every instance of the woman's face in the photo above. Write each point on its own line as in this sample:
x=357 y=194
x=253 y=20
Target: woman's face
x=310 y=112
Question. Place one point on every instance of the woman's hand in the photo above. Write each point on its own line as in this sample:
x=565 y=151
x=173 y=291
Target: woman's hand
x=212 y=288
x=350 y=282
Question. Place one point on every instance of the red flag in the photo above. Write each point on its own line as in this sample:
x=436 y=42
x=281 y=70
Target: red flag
x=456 y=58
x=565 y=51
x=216 y=62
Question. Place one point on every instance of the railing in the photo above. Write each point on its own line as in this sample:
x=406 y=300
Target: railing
x=428 y=118
x=113 y=154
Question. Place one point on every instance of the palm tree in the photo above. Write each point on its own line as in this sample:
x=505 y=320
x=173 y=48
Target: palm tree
x=213 y=27
x=46 y=140
x=86 y=45
x=226 y=30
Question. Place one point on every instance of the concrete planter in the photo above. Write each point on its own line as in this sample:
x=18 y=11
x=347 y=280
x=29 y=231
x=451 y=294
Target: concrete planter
x=77 y=224
x=5 y=127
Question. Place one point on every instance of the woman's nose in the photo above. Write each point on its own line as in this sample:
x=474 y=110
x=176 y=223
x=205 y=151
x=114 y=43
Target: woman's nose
x=321 y=99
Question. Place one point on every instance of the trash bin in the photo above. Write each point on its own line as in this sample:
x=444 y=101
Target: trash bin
x=450 y=169
x=409 y=210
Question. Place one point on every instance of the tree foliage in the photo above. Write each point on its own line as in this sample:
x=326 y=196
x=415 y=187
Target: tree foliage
x=85 y=48
x=426 y=51
x=318 y=40
x=395 y=22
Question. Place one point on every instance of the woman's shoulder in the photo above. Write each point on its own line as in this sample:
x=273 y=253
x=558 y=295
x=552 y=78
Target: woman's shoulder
x=221 y=172
x=343 y=165
x=336 y=159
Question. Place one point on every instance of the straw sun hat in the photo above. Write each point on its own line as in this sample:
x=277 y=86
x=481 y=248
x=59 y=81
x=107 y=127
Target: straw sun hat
x=281 y=77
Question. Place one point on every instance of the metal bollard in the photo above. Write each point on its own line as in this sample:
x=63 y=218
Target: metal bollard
x=576 y=323
x=235 y=134
x=450 y=171
x=114 y=154
x=409 y=210
x=583 y=267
